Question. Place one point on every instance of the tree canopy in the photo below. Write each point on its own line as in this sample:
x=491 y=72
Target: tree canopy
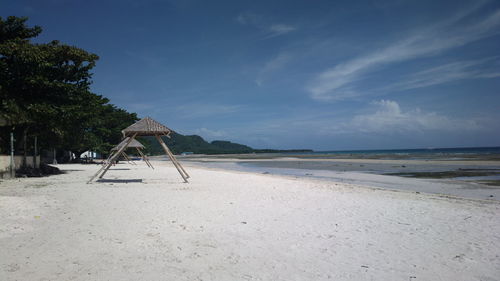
x=45 y=91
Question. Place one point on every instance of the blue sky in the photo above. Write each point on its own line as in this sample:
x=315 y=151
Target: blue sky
x=324 y=75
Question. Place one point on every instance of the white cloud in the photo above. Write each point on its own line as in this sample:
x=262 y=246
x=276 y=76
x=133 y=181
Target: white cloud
x=384 y=121
x=270 y=29
x=339 y=82
x=203 y=110
x=390 y=118
x=384 y=117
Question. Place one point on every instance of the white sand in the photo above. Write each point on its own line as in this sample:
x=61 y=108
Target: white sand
x=227 y=225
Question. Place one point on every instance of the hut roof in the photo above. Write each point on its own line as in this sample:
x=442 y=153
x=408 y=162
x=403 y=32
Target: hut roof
x=133 y=143
x=146 y=127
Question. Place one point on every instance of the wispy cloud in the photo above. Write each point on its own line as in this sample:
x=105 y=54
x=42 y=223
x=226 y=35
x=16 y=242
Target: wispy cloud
x=339 y=82
x=202 y=110
x=270 y=28
x=470 y=69
x=209 y=134
x=279 y=29
x=271 y=66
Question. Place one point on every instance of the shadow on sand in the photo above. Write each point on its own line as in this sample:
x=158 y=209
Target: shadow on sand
x=119 y=169
x=120 y=181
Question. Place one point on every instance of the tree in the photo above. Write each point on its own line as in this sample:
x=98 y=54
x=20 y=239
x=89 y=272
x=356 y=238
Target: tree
x=45 y=91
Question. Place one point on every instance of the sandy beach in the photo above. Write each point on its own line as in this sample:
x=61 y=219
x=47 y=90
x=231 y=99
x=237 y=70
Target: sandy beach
x=144 y=224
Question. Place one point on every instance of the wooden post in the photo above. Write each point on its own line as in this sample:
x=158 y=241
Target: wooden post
x=128 y=158
x=113 y=158
x=109 y=157
x=171 y=155
x=175 y=159
x=102 y=168
x=144 y=158
x=172 y=158
x=120 y=151
x=35 y=153
x=25 y=149
x=54 y=161
x=12 y=161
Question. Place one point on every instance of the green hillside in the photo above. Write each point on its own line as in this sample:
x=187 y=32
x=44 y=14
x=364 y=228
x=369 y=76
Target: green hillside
x=179 y=143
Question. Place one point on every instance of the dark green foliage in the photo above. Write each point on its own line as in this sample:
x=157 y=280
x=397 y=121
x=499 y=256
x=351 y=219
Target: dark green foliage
x=45 y=92
x=179 y=143
x=282 y=150
x=231 y=147
x=14 y=28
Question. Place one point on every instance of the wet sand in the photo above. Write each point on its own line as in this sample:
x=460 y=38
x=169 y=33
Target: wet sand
x=415 y=175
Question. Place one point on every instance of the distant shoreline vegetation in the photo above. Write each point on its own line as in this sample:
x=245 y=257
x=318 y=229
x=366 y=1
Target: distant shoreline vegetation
x=197 y=145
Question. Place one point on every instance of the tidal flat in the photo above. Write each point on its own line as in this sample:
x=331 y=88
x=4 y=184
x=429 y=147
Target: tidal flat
x=470 y=175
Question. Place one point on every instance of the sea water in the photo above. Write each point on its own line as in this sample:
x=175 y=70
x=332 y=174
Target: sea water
x=421 y=153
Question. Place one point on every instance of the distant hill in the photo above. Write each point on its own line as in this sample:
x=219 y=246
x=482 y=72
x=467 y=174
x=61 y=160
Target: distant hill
x=179 y=143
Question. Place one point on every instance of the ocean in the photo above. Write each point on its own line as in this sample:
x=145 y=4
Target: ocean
x=483 y=153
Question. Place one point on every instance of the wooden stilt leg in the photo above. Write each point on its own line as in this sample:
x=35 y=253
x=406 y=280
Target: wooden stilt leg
x=117 y=154
x=107 y=160
x=103 y=167
x=171 y=155
x=144 y=158
x=172 y=158
x=147 y=160
x=129 y=160
x=125 y=157
x=142 y=155
x=177 y=162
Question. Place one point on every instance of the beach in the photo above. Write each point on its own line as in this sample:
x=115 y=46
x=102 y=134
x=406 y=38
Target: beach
x=144 y=224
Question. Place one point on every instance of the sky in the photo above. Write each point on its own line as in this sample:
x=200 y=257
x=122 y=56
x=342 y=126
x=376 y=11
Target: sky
x=322 y=75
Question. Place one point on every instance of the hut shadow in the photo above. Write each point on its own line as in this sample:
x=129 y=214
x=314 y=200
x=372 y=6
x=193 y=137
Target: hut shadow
x=119 y=169
x=119 y=181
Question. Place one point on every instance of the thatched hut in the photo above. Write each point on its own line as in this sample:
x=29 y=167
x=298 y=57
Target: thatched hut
x=143 y=127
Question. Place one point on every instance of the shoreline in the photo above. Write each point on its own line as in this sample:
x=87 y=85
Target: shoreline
x=232 y=158
x=378 y=173
x=351 y=185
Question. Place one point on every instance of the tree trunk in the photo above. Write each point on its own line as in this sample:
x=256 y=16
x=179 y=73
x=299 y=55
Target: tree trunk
x=35 y=152
x=54 y=161
x=25 y=147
